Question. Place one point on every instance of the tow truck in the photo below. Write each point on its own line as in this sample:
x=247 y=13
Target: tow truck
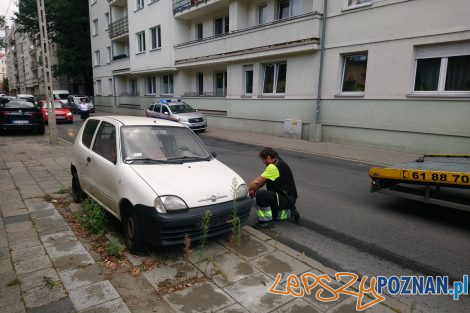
x=441 y=179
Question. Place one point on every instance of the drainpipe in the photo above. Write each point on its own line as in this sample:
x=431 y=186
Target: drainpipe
x=318 y=127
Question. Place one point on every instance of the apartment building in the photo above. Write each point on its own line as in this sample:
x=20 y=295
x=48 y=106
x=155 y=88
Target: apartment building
x=395 y=73
x=3 y=69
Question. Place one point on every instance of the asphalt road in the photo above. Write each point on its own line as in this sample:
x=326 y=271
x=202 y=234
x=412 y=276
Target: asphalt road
x=346 y=227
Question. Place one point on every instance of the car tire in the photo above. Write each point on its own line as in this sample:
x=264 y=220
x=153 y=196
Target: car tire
x=132 y=232
x=77 y=192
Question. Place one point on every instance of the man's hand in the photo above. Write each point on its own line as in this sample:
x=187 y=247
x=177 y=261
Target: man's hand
x=256 y=184
x=252 y=193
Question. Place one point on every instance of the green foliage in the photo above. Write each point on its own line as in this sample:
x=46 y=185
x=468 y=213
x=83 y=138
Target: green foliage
x=93 y=217
x=48 y=282
x=206 y=219
x=236 y=238
x=115 y=248
x=65 y=190
x=2 y=22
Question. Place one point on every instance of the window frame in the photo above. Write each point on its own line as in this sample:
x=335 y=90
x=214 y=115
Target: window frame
x=99 y=87
x=343 y=72
x=275 y=78
x=97 y=133
x=96 y=29
x=141 y=45
x=110 y=85
x=225 y=23
x=358 y=5
x=246 y=69
x=157 y=39
x=97 y=57
x=224 y=83
x=110 y=55
x=171 y=87
x=291 y=9
x=200 y=83
x=260 y=6
x=200 y=31
x=151 y=84
x=139 y=4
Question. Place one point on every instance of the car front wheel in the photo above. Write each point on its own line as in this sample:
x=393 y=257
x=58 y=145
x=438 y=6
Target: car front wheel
x=133 y=232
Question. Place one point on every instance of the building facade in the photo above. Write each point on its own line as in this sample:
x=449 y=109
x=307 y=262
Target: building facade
x=3 y=70
x=393 y=73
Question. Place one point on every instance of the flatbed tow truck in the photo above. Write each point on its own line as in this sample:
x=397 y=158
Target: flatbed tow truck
x=433 y=178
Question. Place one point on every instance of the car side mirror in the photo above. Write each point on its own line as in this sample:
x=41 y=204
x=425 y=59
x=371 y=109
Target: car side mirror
x=214 y=154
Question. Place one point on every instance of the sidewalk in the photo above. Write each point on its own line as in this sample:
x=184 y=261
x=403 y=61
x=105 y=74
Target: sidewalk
x=45 y=267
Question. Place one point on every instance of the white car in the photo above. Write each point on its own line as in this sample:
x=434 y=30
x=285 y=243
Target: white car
x=156 y=177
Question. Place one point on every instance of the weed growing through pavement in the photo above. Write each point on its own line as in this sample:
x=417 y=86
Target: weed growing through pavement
x=65 y=191
x=48 y=282
x=235 y=239
x=115 y=248
x=93 y=217
x=13 y=282
x=206 y=219
x=47 y=197
x=187 y=254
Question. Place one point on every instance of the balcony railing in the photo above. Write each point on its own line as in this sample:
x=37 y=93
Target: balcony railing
x=119 y=28
x=181 y=5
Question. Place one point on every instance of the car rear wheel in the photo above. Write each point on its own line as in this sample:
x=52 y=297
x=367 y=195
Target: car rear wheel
x=77 y=192
x=132 y=232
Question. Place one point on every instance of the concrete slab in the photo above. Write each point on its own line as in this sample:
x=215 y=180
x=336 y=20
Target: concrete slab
x=9 y=296
x=232 y=267
x=60 y=238
x=6 y=278
x=64 y=305
x=14 y=308
x=80 y=277
x=17 y=219
x=36 y=279
x=60 y=250
x=7 y=212
x=40 y=296
x=252 y=293
x=27 y=253
x=3 y=242
x=37 y=204
x=52 y=229
x=278 y=262
x=297 y=306
x=205 y=297
x=44 y=213
x=93 y=295
x=22 y=244
x=4 y=253
x=21 y=226
x=235 y=308
x=164 y=272
x=254 y=232
x=72 y=261
x=349 y=306
x=252 y=248
x=135 y=260
x=32 y=265
x=5 y=266
x=22 y=235
x=115 y=306
x=212 y=247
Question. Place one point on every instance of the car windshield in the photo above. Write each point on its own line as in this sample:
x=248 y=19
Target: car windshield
x=57 y=105
x=17 y=104
x=161 y=144
x=181 y=108
x=62 y=96
x=79 y=100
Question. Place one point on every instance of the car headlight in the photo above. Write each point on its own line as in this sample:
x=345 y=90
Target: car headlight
x=242 y=191
x=183 y=119
x=169 y=203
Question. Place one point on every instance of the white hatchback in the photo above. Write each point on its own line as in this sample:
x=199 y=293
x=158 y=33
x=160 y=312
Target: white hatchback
x=157 y=178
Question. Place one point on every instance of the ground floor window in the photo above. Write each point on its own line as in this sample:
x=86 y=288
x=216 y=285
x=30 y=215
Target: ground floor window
x=98 y=87
x=151 y=85
x=167 y=84
x=274 y=78
x=248 y=79
x=200 y=83
x=220 y=84
x=354 y=73
x=134 y=87
x=110 y=86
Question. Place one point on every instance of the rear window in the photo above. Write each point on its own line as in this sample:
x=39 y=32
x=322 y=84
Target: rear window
x=88 y=132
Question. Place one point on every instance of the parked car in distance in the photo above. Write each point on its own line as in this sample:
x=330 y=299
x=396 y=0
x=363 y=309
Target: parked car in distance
x=62 y=113
x=26 y=97
x=176 y=110
x=157 y=178
x=73 y=103
x=61 y=95
x=18 y=114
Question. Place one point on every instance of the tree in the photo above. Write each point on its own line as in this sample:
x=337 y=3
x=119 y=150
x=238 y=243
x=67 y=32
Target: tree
x=69 y=29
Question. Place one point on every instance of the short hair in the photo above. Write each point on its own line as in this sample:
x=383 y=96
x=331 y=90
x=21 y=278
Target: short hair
x=263 y=154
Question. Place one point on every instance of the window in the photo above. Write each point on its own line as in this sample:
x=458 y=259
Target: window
x=355 y=3
x=93 y=2
x=88 y=132
x=288 y=8
x=262 y=8
x=110 y=58
x=97 y=58
x=200 y=83
x=157 y=108
x=220 y=84
x=165 y=110
x=155 y=35
x=274 y=78
x=95 y=27
x=199 y=31
x=139 y=4
x=167 y=84
x=151 y=85
x=449 y=74
x=140 y=42
x=248 y=79
x=105 y=141
x=108 y=20
x=221 y=26
x=98 y=87
x=110 y=86
x=134 y=87
x=354 y=73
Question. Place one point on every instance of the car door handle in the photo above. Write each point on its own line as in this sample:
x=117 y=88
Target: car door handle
x=88 y=159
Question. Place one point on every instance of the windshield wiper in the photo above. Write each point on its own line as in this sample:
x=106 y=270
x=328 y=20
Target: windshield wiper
x=150 y=160
x=190 y=158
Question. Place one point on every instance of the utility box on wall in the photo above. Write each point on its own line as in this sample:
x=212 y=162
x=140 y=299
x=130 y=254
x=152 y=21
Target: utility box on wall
x=293 y=128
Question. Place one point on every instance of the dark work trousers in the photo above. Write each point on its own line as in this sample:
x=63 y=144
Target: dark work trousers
x=84 y=115
x=277 y=201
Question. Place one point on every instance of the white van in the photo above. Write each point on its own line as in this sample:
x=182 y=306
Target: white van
x=61 y=95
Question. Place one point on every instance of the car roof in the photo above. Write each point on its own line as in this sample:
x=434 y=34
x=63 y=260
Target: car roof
x=139 y=120
x=24 y=95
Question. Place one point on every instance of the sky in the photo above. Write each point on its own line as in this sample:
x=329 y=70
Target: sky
x=3 y=9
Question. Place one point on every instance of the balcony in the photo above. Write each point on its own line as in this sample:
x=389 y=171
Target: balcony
x=121 y=64
x=299 y=33
x=119 y=28
x=118 y=2
x=190 y=9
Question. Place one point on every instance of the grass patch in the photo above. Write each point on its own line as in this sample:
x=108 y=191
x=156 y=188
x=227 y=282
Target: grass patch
x=13 y=282
x=48 y=282
x=93 y=217
x=115 y=248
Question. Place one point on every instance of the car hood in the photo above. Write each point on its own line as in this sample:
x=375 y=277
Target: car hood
x=189 y=115
x=195 y=182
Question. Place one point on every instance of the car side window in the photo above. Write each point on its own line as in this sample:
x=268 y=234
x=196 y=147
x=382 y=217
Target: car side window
x=157 y=108
x=165 y=109
x=105 y=142
x=151 y=107
x=88 y=132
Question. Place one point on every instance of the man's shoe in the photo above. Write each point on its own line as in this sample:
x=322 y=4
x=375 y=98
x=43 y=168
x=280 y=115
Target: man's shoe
x=296 y=216
x=264 y=225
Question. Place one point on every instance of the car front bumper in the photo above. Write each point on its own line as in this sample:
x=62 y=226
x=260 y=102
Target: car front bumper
x=170 y=229
x=196 y=126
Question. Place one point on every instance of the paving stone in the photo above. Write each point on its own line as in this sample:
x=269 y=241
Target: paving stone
x=169 y=271
x=252 y=293
x=115 y=306
x=22 y=244
x=3 y=242
x=28 y=253
x=252 y=247
x=297 y=306
x=14 y=308
x=205 y=297
x=44 y=213
x=135 y=260
x=21 y=226
x=64 y=305
x=50 y=230
x=212 y=247
x=234 y=269
x=32 y=265
x=22 y=235
x=72 y=261
x=36 y=279
x=4 y=253
x=17 y=219
x=235 y=308
x=60 y=250
x=5 y=266
x=7 y=212
x=349 y=306
x=93 y=295
x=80 y=277
x=40 y=296
x=58 y=238
x=6 y=278
x=278 y=262
x=254 y=232
x=9 y=296
x=75 y=207
x=37 y=204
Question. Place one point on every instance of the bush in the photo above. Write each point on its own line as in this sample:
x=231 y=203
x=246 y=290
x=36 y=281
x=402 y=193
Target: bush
x=115 y=248
x=93 y=217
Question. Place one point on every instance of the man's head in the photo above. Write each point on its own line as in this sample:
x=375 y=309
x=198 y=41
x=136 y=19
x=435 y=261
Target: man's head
x=268 y=156
x=83 y=100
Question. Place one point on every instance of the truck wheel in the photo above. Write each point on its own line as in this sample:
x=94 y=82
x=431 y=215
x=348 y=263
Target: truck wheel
x=133 y=232
x=77 y=192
